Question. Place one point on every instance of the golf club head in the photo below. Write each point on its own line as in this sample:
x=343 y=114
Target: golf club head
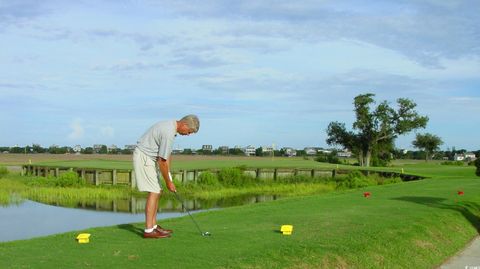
x=206 y=234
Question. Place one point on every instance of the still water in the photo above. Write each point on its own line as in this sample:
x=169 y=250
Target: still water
x=28 y=219
x=31 y=219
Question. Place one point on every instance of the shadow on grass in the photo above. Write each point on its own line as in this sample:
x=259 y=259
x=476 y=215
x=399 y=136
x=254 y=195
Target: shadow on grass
x=469 y=210
x=131 y=228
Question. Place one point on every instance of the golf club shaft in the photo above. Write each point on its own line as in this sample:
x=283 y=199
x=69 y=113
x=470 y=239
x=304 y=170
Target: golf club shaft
x=186 y=209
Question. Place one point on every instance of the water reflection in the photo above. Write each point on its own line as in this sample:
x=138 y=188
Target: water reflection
x=137 y=204
x=56 y=217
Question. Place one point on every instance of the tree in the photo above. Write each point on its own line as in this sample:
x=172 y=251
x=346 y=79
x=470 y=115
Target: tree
x=37 y=148
x=103 y=150
x=427 y=142
x=235 y=151
x=375 y=127
x=87 y=150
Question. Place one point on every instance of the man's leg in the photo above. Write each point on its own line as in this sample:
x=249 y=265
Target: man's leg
x=154 y=217
x=151 y=209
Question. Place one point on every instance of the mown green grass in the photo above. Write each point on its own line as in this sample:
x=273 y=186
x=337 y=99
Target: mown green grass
x=408 y=225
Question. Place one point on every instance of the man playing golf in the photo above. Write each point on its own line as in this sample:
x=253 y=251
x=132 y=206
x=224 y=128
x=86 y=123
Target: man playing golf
x=153 y=150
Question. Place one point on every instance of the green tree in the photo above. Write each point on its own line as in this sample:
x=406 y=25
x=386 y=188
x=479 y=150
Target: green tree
x=103 y=150
x=38 y=149
x=427 y=142
x=17 y=150
x=235 y=151
x=87 y=150
x=375 y=127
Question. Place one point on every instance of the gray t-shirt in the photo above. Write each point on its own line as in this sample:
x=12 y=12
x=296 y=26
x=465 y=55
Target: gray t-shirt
x=158 y=140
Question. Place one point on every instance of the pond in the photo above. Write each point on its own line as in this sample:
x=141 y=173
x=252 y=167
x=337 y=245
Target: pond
x=25 y=219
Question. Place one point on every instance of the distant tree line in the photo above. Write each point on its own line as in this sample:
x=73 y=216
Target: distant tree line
x=387 y=154
x=63 y=150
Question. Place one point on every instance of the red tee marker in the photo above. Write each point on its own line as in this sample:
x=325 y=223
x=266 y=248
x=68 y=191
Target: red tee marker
x=366 y=194
x=460 y=192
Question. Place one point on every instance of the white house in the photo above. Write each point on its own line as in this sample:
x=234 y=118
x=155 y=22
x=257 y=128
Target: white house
x=97 y=147
x=130 y=147
x=249 y=150
x=325 y=151
x=77 y=148
x=207 y=148
x=112 y=148
x=223 y=149
x=310 y=151
x=344 y=154
x=290 y=152
x=267 y=149
x=468 y=156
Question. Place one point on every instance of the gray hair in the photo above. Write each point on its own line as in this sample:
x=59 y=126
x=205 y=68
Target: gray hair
x=192 y=122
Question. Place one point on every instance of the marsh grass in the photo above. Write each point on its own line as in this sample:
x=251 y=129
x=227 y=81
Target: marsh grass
x=280 y=189
x=69 y=190
x=14 y=188
x=73 y=196
x=11 y=191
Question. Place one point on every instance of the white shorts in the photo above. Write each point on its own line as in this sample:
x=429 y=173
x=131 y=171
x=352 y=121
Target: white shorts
x=146 y=173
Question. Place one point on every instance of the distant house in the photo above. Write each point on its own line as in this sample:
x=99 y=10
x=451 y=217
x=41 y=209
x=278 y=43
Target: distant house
x=177 y=151
x=112 y=147
x=311 y=151
x=249 y=150
x=223 y=149
x=267 y=149
x=290 y=152
x=77 y=149
x=97 y=148
x=130 y=147
x=469 y=156
x=207 y=148
x=325 y=151
x=344 y=154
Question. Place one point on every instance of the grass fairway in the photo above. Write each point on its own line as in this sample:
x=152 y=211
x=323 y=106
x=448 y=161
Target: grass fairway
x=407 y=225
x=179 y=161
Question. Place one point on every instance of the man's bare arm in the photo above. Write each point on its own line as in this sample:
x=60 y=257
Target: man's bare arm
x=164 y=166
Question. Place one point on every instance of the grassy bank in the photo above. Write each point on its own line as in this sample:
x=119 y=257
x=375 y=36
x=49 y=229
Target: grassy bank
x=406 y=225
x=230 y=183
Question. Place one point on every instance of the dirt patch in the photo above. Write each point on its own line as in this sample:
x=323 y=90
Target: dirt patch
x=334 y=261
x=424 y=244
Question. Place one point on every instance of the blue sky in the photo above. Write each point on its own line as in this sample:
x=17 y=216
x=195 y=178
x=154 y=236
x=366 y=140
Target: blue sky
x=255 y=72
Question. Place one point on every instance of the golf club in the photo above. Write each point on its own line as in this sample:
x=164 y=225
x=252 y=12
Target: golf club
x=186 y=209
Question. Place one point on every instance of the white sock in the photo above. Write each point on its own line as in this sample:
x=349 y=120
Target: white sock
x=149 y=230
x=155 y=226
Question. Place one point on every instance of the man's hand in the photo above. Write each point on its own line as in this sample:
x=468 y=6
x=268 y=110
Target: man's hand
x=171 y=186
x=165 y=171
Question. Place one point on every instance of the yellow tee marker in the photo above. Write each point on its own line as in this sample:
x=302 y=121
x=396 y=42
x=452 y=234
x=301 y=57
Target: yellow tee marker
x=286 y=229
x=83 y=238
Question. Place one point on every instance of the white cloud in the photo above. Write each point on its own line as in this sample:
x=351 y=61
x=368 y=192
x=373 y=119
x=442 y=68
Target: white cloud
x=77 y=130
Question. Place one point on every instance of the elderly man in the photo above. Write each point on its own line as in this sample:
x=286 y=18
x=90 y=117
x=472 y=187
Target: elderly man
x=153 y=150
